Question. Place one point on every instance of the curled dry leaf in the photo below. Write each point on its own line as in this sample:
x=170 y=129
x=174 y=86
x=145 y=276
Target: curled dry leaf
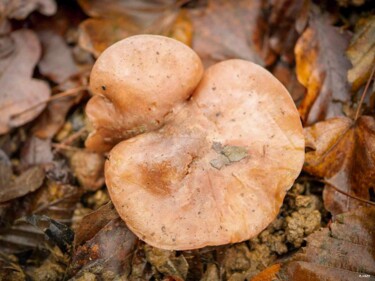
x=60 y=234
x=361 y=52
x=342 y=152
x=322 y=68
x=27 y=182
x=88 y=167
x=19 y=92
x=20 y=9
x=226 y=30
x=344 y=251
x=110 y=249
x=232 y=150
x=115 y=20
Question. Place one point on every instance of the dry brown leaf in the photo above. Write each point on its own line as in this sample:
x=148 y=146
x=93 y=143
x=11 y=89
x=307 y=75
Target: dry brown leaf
x=88 y=167
x=286 y=19
x=343 y=153
x=344 y=251
x=57 y=62
x=110 y=249
x=19 y=91
x=27 y=182
x=94 y=222
x=361 y=52
x=20 y=9
x=115 y=20
x=322 y=68
x=226 y=30
x=36 y=151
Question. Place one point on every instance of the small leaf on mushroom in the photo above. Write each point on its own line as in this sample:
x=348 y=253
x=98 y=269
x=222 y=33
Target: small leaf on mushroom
x=194 y=177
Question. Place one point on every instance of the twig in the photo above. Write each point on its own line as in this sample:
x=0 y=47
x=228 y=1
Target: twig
x=70 y=92
x=357 y=114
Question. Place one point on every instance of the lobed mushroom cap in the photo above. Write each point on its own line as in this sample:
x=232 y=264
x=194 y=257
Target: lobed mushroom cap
x=218 y=171
x=136 y=84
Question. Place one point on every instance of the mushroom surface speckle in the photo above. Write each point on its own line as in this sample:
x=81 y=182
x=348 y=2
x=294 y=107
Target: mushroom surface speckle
x=217 y=170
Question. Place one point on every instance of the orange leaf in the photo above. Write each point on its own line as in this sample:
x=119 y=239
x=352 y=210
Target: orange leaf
x=343 y=252
x=343 y=152
x=322 y=68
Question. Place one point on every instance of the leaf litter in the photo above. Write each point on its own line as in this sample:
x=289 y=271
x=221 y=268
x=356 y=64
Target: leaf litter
x=51 y=187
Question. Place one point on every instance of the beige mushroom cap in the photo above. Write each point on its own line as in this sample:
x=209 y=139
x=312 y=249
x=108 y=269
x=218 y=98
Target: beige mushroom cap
x=136 y=84
x=217 y=172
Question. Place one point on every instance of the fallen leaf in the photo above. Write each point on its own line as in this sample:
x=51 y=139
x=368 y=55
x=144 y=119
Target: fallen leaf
x=60 y=234
x=226 y=30
x=94 y=222
x=115 y=20
x=287 y=76
x=57 y=61
x=321 y=68
x=88 y=167
x=27 y=182
x=19 y=92
x=36 y=151
x=344 y=251
x=342 y=151
x=361 y=52
x=20 y=9
x=285 y=21
x=110 y=249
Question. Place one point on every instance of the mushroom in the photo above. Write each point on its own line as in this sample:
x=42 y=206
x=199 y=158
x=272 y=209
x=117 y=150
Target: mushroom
x=136 y=84
x=217 y=169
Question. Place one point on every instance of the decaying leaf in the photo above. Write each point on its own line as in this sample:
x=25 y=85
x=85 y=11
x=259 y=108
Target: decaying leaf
x=20 y=9
x=19 y=92
x=36 y=151
x=115 y=20
x=27 y=182
x=343 y=153
x=322 y=68
x=361 y=52
x=217 y=35
x=88 y=167
x=286 y=20
x=58 y=233
x=109 y=250
x=344 y=251
x=57 y=62
x=94 y=222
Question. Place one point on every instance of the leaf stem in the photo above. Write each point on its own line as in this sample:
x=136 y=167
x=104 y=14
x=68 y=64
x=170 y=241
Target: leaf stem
x=357 y=114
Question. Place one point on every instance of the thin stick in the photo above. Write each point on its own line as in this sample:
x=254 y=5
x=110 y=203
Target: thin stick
x=337 y=189
x=60 y=146
x=357 y=114
x=349 y=195
x=74 y=136
x=67 y=93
